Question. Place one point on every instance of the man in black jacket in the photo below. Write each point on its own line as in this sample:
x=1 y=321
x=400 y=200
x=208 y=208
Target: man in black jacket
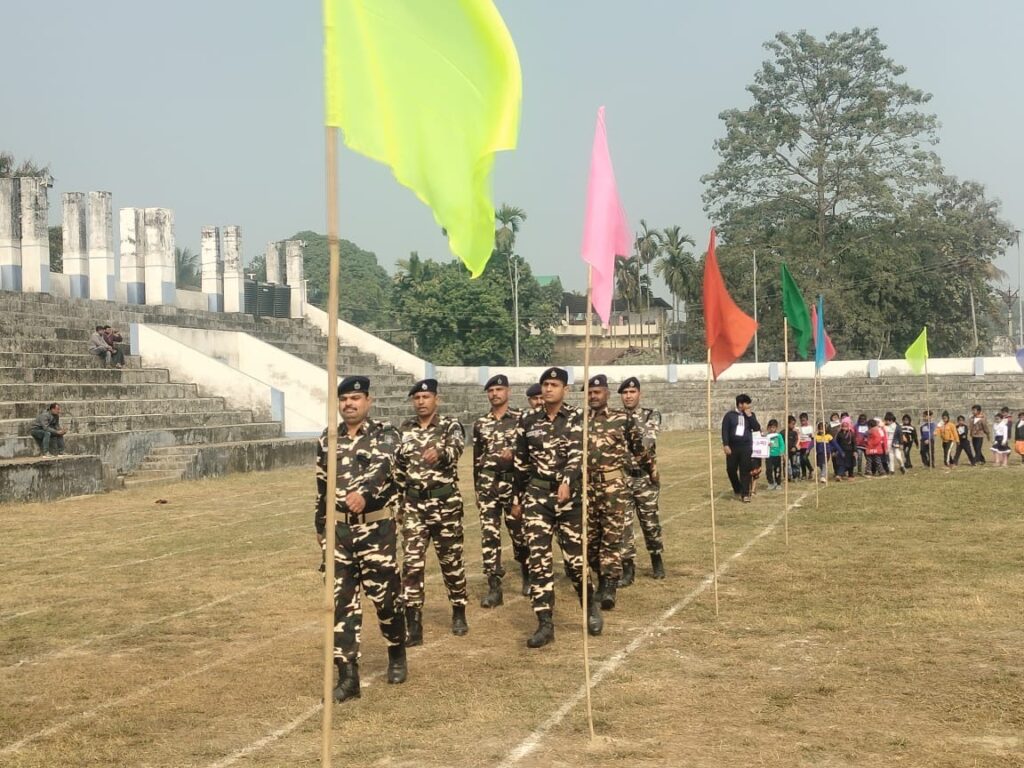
x=48 y=432
x=738 y=427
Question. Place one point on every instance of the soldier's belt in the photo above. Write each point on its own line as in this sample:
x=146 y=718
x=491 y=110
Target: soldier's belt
x=606 y=476
x=637 y=473
x=364 y=518
x=506 y=477
x=442 y=492
x=547 y=485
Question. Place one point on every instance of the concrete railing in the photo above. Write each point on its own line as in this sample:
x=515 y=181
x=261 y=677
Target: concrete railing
x=299 y=384
x=213 y=377
x=385 y=352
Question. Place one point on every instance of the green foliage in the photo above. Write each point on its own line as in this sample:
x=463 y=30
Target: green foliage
x=56 y=236
x=365 y=288
x=186 y=269
x=9 y=166
x=831 y=171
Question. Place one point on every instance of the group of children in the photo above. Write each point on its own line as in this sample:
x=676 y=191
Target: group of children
x=878 y=447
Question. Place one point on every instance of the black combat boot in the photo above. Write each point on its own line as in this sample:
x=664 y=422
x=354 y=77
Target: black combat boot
x=414 y=627
x=459 y=625
x=493 y=598
x=658 y=565
x=595 y=621
x=526 y=578
x=348 y=680
x=545 y=631
x=606 y=594
x=397 y=668
x=628 y=573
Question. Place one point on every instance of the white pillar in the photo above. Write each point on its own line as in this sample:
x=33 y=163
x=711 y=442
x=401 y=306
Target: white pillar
x=132 y=225
x=35 y=235
x=10 y=234
x=159 y=256
x=293 y=253
x=101 y=247
x=273 y=257
x=234 y=285
x=212 y=268
x=76 y=244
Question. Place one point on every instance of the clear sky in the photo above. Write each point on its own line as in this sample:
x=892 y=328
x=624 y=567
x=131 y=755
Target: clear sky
x=214 y=108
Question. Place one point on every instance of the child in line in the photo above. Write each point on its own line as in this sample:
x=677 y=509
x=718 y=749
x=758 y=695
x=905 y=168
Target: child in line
x=892 y=432
x=963 y=441
x=824 y=446
x=947 y=433
x=861 y=431
x=846 y=442
x=874 y=449
x=776 y=452
x=793 y=446
x=806 y=446
x=927 y=438
x=1000 y=440
x=1018 y=436
x=908 y=439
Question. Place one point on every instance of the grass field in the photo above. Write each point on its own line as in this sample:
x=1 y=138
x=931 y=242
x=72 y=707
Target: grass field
x=889 y=632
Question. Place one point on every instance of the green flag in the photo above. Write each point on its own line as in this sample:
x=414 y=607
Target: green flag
x=433 y=90
x=917 y=353
x=795 y=309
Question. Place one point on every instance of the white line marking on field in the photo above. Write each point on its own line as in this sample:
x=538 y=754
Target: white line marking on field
x=531 y=742
x=145 y=690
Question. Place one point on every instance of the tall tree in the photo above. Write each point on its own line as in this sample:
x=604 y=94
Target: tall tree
x=677 y=266
x=9 y=166
x=511 y=219
x=186 y=269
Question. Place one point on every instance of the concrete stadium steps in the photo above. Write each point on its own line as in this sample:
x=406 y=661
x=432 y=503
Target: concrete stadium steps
x=87 y=425
x=32 y=345
x=59 y=360
x=65 y=376
x=75 y=409
x=44 y=478
x=56 y=391
x=162 y=465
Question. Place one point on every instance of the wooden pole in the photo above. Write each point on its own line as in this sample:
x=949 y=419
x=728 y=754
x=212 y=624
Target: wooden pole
x=824 y=422
x=928 y=407
x=785 y=429
x=332 y=441
x=586 y=505
x=711 y=485
x=814 y=438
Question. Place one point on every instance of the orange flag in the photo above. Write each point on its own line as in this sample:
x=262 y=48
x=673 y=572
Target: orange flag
x=727 y=327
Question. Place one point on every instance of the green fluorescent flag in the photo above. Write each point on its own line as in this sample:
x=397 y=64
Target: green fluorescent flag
x=432 y=89
x=917 y=353
x=795 y=309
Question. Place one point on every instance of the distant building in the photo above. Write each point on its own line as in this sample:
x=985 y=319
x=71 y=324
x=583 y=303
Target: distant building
x=629 y=332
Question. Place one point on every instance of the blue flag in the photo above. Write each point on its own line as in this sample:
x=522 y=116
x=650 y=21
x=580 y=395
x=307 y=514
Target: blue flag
x=819 y=333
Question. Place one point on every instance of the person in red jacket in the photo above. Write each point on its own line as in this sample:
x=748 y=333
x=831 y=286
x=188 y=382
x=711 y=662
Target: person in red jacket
x=875 y=449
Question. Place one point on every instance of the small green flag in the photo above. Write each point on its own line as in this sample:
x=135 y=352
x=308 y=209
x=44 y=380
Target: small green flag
x=431 y=88
x=917 y=353
x=795 y=309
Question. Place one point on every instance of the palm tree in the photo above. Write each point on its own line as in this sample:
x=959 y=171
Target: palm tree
x=677 y=267
x=186 y=269
x=511 y=218
x=648 y=247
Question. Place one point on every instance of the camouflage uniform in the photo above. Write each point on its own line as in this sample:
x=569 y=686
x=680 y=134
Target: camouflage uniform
x=431 y=507
x=364 y=552
x=645 y=490
x=548 y=452
x=493 y=479
x=615 y=447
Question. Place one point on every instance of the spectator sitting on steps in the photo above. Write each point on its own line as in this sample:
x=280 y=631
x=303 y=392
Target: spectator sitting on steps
x=113 y=337
x=99 y=347
x=47 y=431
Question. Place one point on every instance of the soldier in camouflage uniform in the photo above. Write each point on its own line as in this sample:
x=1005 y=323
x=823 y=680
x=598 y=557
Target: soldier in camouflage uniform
x=533 y=396
x=548 y=461
x=428 y=478
x=616 y=445
x=494 y=436
x=365 y=534
x=646 y=488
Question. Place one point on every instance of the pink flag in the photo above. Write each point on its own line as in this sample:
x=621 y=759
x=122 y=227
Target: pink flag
x=830 y=350
x=605 y=229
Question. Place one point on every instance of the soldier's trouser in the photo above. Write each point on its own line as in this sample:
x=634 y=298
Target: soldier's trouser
x=544 y=520
x=365 y=557
x=645 y=504
x=606 y=516
x=493 y=508
x=440 y=521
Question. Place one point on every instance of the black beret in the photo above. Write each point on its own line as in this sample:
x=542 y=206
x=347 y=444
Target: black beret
x=424 y=385
x=598 y=381
x=354 y=384
x=553 y=374
x=631 y=382
x=533 y=391
x=501 y=380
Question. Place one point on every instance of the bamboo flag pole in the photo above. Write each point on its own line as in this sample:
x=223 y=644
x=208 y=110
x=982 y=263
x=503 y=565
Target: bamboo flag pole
x=585 y=507
x=711 y=485
x=785 y=431
x=928 y=407
x=332 y=440
x=814 y=438
x=824 y=422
